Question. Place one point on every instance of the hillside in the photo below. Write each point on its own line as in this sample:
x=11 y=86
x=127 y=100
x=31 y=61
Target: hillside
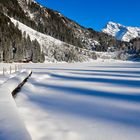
x=24 y=31
x=54 y=49
x=53 y=23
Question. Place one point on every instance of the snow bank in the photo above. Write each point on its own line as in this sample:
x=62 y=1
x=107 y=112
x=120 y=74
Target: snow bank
x=11 y=126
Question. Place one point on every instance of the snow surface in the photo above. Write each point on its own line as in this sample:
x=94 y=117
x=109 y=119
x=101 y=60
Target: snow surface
x=82 y=101
x=11 y=125
x=122 y=32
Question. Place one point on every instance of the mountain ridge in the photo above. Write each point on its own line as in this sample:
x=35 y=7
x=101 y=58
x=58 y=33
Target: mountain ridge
x=55 y=24
x=121 y=32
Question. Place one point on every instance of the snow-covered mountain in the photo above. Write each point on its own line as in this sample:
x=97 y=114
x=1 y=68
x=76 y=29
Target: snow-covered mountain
x=57 y=25
x=39 y=31
x=121 y=32
x=53 y=23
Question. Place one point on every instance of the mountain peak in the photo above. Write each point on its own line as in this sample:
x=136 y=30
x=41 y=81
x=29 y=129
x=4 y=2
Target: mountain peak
x=113 y=24
x=121 y=32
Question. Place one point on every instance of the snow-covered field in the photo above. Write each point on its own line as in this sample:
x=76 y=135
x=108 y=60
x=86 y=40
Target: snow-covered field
x=82 y=101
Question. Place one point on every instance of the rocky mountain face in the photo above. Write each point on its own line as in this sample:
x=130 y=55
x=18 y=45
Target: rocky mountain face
x=121 y=32
x=44 y=22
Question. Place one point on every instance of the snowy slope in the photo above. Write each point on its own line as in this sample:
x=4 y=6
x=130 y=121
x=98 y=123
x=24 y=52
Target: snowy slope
x=50 y=45
x=11 y=125
x=82 y=101
x=122 y=32
x=47 y=43
x=43 y=39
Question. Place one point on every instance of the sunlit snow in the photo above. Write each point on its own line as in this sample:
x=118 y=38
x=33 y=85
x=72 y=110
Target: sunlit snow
x=82 y=101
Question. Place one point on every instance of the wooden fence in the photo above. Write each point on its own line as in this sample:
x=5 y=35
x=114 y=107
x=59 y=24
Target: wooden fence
x=10 y=69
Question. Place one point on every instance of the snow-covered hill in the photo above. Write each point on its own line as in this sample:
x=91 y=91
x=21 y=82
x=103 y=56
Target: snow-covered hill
x=54 y=49
x=122 y=32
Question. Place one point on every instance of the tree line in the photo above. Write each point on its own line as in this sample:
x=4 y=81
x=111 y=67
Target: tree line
x=15 y=46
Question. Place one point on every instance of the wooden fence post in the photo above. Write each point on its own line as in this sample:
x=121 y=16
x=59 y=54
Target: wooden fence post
x=3 y=71
x=15 y=68
x=10 y=70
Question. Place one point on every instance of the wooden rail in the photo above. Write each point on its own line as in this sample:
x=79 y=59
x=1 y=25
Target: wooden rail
x=18 y=88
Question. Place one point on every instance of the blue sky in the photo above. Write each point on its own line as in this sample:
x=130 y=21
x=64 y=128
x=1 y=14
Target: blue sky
x=96 y=13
